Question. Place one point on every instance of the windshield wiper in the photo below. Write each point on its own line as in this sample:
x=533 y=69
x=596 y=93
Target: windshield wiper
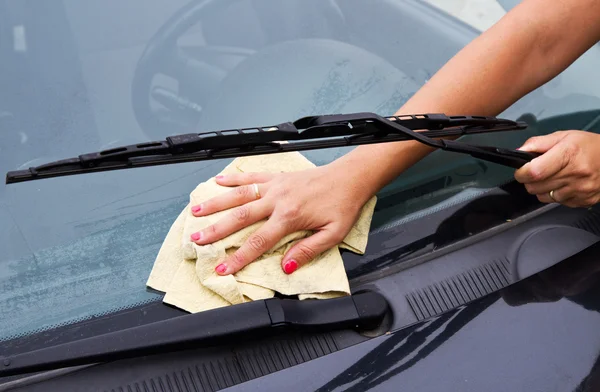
x=307 y=133
x=362 y=311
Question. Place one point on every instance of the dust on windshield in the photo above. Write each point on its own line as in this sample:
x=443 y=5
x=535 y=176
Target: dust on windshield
x=86 y=76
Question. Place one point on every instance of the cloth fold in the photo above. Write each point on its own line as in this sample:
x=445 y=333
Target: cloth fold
x=185 y=271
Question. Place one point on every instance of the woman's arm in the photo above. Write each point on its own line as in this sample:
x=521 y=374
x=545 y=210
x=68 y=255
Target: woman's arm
x=529 y=46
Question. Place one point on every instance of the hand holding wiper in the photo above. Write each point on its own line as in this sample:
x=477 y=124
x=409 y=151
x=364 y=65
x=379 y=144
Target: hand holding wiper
x=307 y=133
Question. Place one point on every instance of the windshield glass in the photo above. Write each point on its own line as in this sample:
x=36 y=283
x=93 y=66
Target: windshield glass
x=83 y=76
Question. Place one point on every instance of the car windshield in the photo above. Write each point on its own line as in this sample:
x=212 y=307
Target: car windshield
x=81 y=76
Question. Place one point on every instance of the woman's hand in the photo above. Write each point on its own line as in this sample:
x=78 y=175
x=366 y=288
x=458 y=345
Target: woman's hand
x=323 y=199
x=569 y=168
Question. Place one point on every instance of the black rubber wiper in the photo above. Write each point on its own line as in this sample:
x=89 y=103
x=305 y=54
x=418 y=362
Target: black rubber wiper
x=362 y=311
x=308 y=133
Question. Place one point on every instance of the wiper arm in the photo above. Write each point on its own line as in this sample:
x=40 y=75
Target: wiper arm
x=364 y=311
x=307 y=133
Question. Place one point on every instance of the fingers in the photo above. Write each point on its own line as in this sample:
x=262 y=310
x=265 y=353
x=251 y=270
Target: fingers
x=543 y=187
x=543 y=143
x=244 y=193
x=308 y=248
x=236 y=179
x=257 y=244
x=569 y=196
x=565 y=196
x=544 y=166
x=236 y=197
x=239 y=218
x=568 y=168
x=557 y=196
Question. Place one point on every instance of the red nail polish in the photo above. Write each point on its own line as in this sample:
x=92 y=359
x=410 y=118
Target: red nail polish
x=196 y=209
x=196 y=236
x=290 y=266
x=221 y=268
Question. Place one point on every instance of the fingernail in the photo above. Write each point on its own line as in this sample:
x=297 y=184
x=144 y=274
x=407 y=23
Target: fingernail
x=221 y=268
x=197 y=208
x=219 y=177
x=290 y=266
x=196 y=236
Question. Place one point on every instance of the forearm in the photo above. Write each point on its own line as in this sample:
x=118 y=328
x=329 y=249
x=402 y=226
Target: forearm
x=521 y=52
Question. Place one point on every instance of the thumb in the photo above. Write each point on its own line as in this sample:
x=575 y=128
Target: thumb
x=307 y=249
x=542 y=143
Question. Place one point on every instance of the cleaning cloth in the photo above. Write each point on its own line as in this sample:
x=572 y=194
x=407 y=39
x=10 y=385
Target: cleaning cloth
x=185 y=271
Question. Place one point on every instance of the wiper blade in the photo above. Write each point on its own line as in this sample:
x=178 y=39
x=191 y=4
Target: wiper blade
x=307 y=133
x=363 y=311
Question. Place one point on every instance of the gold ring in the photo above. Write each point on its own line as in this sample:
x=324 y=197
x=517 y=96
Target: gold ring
x=256 y=191
x=551 y=194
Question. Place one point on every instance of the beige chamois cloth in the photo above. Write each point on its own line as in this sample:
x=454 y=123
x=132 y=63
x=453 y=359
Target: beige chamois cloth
x=185 y=271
